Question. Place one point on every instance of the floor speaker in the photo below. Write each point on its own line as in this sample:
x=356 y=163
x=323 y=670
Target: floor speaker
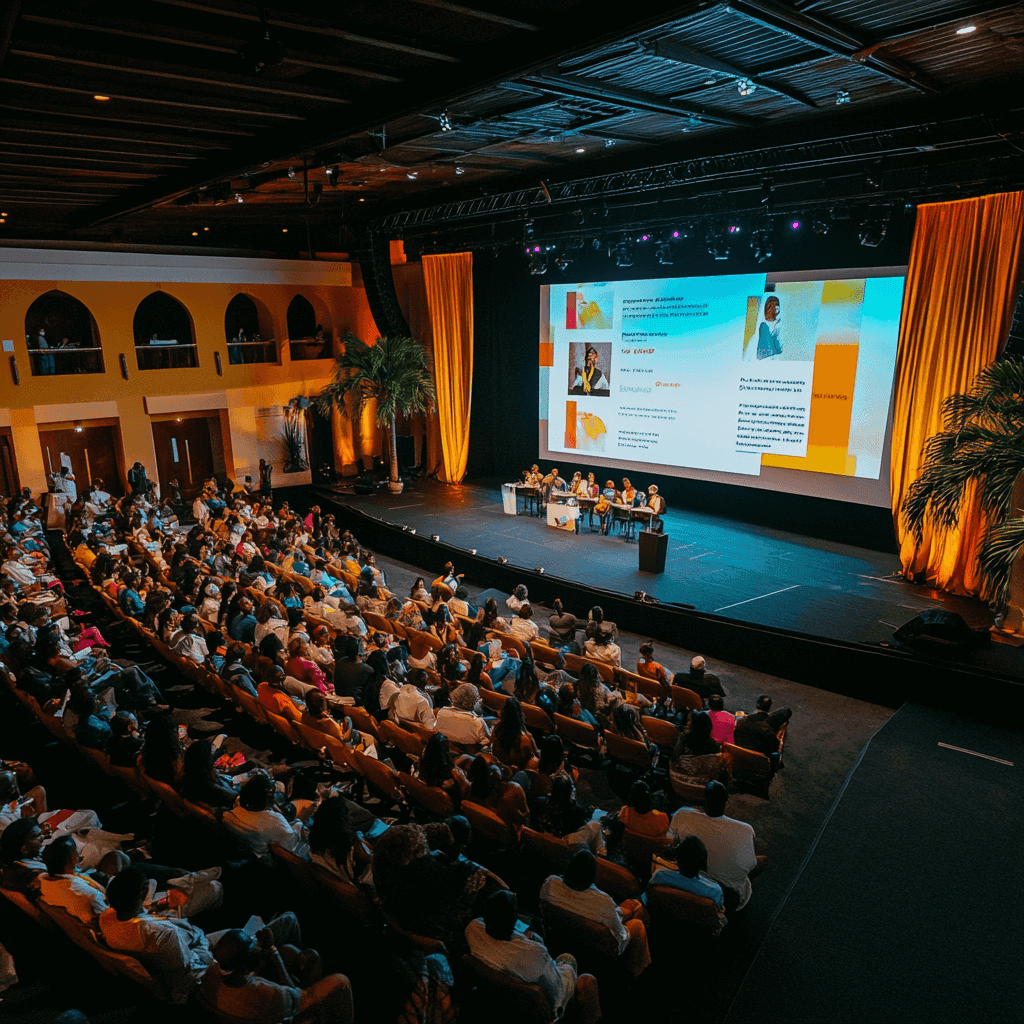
x=653 y=548
x=938 y=624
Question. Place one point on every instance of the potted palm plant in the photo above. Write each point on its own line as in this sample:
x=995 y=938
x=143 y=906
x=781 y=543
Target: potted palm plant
x=983 y=442
x=393 y=373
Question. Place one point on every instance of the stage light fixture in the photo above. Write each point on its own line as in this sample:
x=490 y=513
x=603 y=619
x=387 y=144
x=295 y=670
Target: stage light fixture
x=623 y=254
x=539 y=570
x=822 y=225
x=537 y=263
x=434 y=537
x=333 y=174
x=842 y=98
x=445 y=121
x=472 y=551
x=412 y=530
x=719 y=242
x=501 y=560
x=746 y=87
x=580 y=149
x=293 y=174
x=78 y=426
x=412 y=175
x=528 y=228
x=562 y=263
x=597 y=245
x=238 y=197
x=460 y=170
x=664 y=254
x=966 y=30
x=761 y=243
x=608 y=143
x=794 y=225
x=639 y=595
x=873 y=228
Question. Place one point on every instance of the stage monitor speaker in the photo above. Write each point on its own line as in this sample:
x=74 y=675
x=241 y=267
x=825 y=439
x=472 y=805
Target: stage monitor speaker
x=406 y=447
x=653 y=549
x=938 y=624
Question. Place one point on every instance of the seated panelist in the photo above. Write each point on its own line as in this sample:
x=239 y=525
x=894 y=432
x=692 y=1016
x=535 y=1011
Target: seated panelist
x=656 y=503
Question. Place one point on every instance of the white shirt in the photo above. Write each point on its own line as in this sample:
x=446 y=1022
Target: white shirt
x=730 y=846
x=523 y=630
x=261 y=828
x=592 y=904
x=609 y=652
x=79 y=896
x=413 y=705
x=273 y=625
x=462 y=726
x=192 y=647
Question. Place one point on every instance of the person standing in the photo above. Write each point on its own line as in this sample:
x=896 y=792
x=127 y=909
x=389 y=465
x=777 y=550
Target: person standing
x=137 y=480
x=266 y=487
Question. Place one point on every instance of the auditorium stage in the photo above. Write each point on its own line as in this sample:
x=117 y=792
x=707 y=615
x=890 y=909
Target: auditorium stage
x=727 y=570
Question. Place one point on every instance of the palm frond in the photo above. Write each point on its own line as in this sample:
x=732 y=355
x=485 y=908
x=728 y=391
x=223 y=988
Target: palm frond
x=999 y=549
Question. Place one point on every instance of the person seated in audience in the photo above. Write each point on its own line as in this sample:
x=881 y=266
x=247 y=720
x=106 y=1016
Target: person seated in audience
x=63 y=885
x=191 y=643
x=527 y=688
x=561 y=814
x=511 y=742
x=627 y=724
x=20 y=862
x=639 y=816
x=92 y=728
x=518 y=598
x=646 y=666
x=723 y=723
x=599 y=647
x=459 y=720
x=594 y=696
x=691 y=876
x=413 y=703
x=336 y=845
x=301 y=666
x=568 y=704
x=597 y=622
x=576 y=893
x=496 y=940
x=162 y=756
x=273 y=694
x=235 y=672
x=132 y=597
x=522 y=627
x=490 y=618
x=562 y=626
x=696 y=759
x=126 y=740
x=438 y=768
x=418 y=591
x=351 y=673
x=490 y=788
x=270 y=620
x=553 y=764
x=251 y=978
x=258 y=823
x=698 y=679
x=729 y=844
x=243 y=624
x=201 y=782
x=760 y=730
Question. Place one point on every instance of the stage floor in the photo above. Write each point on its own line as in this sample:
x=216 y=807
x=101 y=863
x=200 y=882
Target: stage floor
x=737 y=570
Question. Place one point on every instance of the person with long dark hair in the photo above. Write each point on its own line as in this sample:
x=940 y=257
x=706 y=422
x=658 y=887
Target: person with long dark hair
x=511 y=742
x=438 y=768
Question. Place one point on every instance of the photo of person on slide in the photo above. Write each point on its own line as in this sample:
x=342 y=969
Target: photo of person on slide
x=589 y=379
x=769 y=329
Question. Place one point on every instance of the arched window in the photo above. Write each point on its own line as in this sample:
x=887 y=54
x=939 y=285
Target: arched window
x=62 y=336
x=309 y=328
x=249 y=331
x=164 y=338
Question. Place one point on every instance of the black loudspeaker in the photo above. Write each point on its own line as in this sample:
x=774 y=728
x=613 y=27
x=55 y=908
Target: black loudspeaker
x=653 y=549
x=937 y=624
x=364 y=485
x=406 y=447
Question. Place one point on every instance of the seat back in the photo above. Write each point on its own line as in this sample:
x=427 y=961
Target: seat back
x=436 y=801
x=561 y=926
x=348 y=899
x=684 y=907
x=167 y=795
x=378 y=774
x=537 y=719
x=377 y=622
x=749 y=769
x=543 y=654
x=282 y=726
x=362 y=719
x=640 y=684
x=618 y=881
x=417 y=729
x=493 y=700
x=665 y=734
x=421 y=641
x=517 y=999
x=249 y=704
x=631 y=752
x=512 y=645
x=489 y=824
x=407 y=742
x=298 y=867
x=553 y=850
x=682 y=698
x=580 y=734
x=640 y=848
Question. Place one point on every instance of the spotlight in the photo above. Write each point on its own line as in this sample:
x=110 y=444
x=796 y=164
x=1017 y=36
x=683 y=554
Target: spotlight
x=445 y=121
x=873 y=176
x=873 y=228
x=719 y=242
x=412 y=530
x=101 y=99
x=238 y=197
x=580 y=149
x=528 y=228
x=412 y=175
x=293 y=174
x=434 y=537
x=597 y=245
x=78 y=426
x=746 y=87
x=562 y=263
x=539 y=570
x=842 y=98
x=761 y=243
x=966 y=30
x=333 y=174
x=734 y=229
x=822 y=225
x=501 y=560
x=537 y=263
x=460 y=170
x=623 y=254
x=794 y=225
x=664 y=253
x=472 y=551
x=608 y=143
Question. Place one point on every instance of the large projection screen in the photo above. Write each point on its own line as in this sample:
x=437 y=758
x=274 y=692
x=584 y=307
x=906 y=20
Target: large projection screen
x=780 y=381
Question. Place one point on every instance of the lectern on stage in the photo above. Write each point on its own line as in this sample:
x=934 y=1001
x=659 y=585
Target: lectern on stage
x=653 y=548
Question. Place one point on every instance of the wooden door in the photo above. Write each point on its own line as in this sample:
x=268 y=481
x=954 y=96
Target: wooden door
x=9 y=485
x=183 y=453
x=95 y=453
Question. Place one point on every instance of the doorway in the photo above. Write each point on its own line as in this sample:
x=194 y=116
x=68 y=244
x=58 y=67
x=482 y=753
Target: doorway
x=94 y=451
x=184 y=452
x=9 y=484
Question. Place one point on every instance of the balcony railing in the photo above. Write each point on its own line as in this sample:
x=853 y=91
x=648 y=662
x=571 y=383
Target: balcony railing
x=166 y=355
x=310 y=348
x=49 y=362
x=262 y=351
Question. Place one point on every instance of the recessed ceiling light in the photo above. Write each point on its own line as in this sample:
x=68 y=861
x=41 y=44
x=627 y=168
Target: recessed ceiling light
x=284 y=231
x=746 y=87
x=195 y=234
x=581 y=150
x=206 y=229
x=101 y=99
x=966 y=30
x=362 y=199
x=710 y=81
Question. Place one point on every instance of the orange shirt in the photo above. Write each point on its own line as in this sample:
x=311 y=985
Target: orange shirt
x=652 y=670
x=653 y=823
x=277 y=701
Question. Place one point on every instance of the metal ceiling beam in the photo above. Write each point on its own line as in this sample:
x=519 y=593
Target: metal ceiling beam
x=816 y=31
x=668 y=49
x=473 y=12
x=632 y=99
x=313 y=26
x=151 y=69
x=135 y=122
x=162 y=101
x=132 y=30
x=967 y=13
x=68 y=132
x=68 y=154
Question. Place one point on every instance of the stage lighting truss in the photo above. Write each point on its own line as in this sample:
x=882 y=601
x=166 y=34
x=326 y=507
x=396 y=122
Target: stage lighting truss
x=873 y=228
x=562 y=263
x=664 y=253
x=719 y=241
x=536 y=262
x=761 y=242
x=623 y=254
x=822 y=225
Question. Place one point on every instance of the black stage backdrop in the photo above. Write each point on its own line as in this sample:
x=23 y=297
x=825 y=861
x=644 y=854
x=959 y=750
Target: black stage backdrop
x=503 y=427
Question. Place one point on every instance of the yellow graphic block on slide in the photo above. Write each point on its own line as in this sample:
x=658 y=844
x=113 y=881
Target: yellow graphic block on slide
x=828 y=432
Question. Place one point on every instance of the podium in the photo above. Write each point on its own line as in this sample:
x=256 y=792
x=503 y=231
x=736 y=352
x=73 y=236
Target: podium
x=653 y=549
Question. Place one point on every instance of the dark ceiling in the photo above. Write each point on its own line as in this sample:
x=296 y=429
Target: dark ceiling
x=453 y=123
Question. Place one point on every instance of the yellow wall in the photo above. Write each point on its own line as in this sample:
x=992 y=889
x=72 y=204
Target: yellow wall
x=240 y=391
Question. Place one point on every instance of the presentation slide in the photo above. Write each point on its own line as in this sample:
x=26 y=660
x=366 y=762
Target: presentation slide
x=744 y=375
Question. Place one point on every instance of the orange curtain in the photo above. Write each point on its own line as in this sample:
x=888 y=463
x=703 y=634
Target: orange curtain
x=961 y=285
x=449 y=281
